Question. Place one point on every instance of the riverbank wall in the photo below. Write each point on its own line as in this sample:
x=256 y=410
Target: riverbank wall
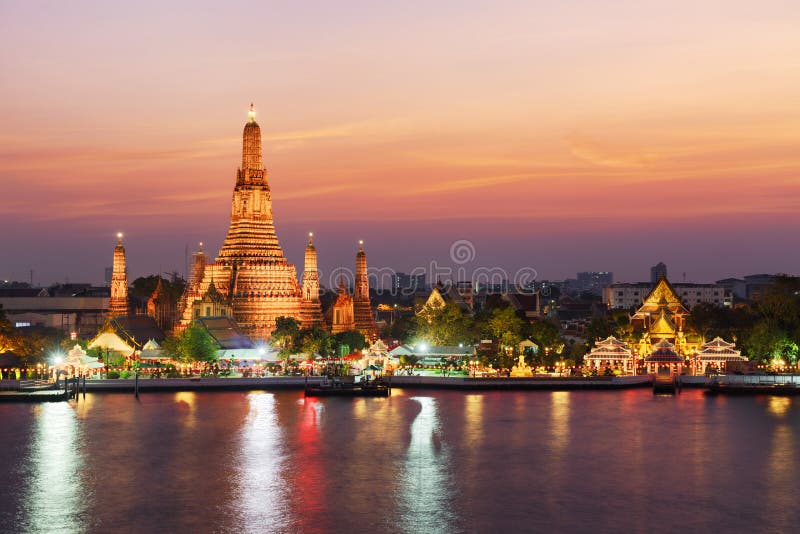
x=405 y=382
x=529 y=383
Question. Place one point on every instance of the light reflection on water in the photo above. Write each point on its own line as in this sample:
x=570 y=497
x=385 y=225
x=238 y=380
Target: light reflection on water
x=56 y=497
x=415 y=462
x=261 y=488
x=424 y=492
x=782 y=482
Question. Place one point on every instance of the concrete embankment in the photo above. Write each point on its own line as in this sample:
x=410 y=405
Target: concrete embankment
x=532 y=383
x=204 y=384
x=431 y=382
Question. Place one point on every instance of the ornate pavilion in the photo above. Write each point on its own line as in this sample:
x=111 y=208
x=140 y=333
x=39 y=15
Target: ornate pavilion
x=716 y=354
x=612 y=353
x=667 y=340
x=663 y=356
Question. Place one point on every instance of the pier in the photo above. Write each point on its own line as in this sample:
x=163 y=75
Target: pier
x=41 y=390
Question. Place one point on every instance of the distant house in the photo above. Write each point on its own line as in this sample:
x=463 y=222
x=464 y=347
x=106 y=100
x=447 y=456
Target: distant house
x=231 y=341
x=127 y=333
x=527 y=303
x=440 y=295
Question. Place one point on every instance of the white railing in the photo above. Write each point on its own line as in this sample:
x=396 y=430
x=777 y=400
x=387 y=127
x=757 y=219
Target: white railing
x=756 y=380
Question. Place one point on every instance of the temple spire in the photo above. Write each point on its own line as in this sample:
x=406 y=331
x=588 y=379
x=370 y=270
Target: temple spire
x=118 y=304
x=364 y=320
x=311 y=273
x=252 y=164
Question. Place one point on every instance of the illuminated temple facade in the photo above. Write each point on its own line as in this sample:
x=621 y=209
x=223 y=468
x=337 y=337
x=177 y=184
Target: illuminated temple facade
x=355 y=312
x=362 y=307
x=662 y=316
x=118 y=305
x=251 y=274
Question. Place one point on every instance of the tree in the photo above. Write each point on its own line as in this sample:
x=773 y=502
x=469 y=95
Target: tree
x=354 y=339
x=194 y=344
x=286 y=329
x=547 y=335
x=313 y=340
x=10 y=338
x=442 y=325
x=703 y=318
x=399 y=328
x=504 y=324
x=624 y=328
x=599 y=328
x=767 y=342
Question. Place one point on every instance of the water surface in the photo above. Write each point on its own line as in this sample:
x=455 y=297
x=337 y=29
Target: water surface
x=415 y=462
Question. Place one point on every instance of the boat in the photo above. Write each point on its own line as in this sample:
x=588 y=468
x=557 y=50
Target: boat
x=334 y=387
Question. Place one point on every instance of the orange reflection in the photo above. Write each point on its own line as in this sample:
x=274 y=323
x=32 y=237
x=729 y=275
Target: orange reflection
x=309 y=475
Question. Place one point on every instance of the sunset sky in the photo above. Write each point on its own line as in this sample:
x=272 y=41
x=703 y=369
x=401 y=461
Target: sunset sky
x=562 y=136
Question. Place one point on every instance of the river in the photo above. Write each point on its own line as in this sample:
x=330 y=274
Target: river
x=420 y=461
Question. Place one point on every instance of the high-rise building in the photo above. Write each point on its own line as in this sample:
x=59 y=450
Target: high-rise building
x=594 y=281
x=250 y=272
x=657 y=272
x=118 y=305
x=407 y=284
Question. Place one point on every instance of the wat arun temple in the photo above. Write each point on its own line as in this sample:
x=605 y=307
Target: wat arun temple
x=250 y=279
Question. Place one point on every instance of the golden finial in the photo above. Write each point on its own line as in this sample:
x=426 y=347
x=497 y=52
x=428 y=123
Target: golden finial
x=119 y=238
x=310 y=238
x=252 y=113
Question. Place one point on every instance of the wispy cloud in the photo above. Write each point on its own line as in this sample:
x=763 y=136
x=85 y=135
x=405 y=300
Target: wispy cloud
x=609 y=155
x=315 y=191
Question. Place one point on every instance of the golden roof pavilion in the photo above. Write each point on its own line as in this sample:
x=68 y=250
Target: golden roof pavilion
x=662 y=315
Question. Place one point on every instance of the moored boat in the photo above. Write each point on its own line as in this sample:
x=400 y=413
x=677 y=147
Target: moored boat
x=338 y=388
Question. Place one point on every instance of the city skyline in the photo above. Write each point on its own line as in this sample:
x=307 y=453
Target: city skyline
x=595 y=148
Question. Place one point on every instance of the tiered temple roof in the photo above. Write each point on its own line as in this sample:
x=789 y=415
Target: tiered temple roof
x=662 y=310
x=719 y=350
x=610 y=349
x=251 y=272
x=663 y=352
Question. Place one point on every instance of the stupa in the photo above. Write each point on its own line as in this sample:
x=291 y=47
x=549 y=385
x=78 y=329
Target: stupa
x=250 y=271
x=362 y=308
x=118 y=305
x=312 y=309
